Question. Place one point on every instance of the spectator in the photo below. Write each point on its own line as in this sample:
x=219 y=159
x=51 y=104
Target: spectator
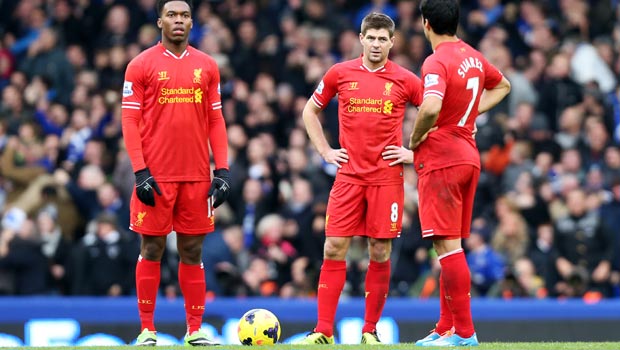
x=103 y=263
x=522 y=90
x=28 y=22
x=56 y=248
x=74 y=138
x=252 y=211
x=585 y=248
x=611 y=166
x=531 y=206
x=83 y=191
x=47 y=59
x=485 y=15
x=19 y=163
x=560 y=57
x=410 y=255
x=110 y=201
x=543 y=254
x=559 y=90
x=304 y=278
x=258 y=279
x=13 y=110
x=225 y=260
x=116 y=28
x=298 y=212
x=111 y=76
x=486 y=266
x=511 y=237
x=7 y=65
x=522 y=281
x=69 y=28
x=20 y=253
x=596 y=139
x=274 y=248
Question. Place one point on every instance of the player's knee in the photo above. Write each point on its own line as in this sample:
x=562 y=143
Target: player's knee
x=151 y=253
x=151 y=250
x=190 y=253
x=444 y=246
x=335 y=248
x=379 y=249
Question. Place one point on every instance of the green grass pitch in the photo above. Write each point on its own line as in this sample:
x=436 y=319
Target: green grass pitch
x=483 y=346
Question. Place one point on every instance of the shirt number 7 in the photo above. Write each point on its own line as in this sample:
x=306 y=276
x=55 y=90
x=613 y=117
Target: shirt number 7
x=472 y=84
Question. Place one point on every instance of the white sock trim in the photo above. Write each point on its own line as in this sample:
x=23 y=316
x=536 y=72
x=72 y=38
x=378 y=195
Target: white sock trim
x=450 y=253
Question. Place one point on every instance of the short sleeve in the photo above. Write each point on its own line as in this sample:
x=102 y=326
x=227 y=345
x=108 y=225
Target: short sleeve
x=327 y=88
x=416 y=88
x=492 y=75
x=133 y=86
x=214 y=97
x=434 y=77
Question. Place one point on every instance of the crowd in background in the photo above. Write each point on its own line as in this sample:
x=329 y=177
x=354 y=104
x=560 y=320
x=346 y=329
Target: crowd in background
x=547 y=212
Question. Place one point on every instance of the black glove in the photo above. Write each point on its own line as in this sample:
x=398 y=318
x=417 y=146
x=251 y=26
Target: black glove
x=145 y=183
x=220 y=186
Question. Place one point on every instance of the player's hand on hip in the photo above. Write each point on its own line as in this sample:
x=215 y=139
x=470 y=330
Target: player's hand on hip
x=145 y=186
x=425 y=136
x=220 y=186
x=399 y=154
x=413 y=146
x=337 y=156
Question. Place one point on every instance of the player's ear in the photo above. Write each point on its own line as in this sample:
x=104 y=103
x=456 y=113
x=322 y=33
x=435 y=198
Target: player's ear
x=159 y=23
x=361 y=38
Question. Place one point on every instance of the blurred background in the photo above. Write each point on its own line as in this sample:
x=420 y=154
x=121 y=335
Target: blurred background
x=547 y=212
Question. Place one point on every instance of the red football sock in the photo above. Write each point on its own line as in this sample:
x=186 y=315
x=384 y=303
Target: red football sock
x=445 y=314
x=457 y=287
x=377 y=288
x=193 y=287
x=147 y=284
x=331 y=281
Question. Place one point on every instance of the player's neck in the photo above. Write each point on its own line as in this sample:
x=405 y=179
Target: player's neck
x=175 y=48
x=440 y=39
x=373 y=66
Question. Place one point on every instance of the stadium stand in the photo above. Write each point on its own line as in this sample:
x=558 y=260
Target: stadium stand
x=548 y=203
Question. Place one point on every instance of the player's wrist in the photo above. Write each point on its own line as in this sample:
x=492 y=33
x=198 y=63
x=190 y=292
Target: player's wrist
x=222 y=173
x=141 y=171
x=142 y=175
x=323 y=151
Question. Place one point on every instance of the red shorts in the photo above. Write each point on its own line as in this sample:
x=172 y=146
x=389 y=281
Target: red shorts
x=182 y=207
x=447 y=200
x=362 y=210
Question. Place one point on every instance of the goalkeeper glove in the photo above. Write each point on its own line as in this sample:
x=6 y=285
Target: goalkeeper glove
x=220 y=186
x=145 y=183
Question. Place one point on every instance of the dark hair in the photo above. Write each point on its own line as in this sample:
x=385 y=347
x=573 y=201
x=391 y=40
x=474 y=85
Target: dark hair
x=161 y=3
x=376 y=20
x=442 y=15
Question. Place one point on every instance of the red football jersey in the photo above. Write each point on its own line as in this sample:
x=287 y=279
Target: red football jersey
x=171 y=112
x=457 y=74
x=371 y=109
